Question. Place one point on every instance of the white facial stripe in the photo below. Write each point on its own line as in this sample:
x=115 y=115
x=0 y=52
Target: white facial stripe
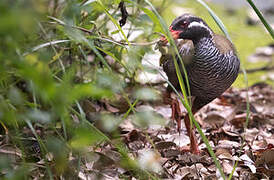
x=188 y=15
x=199 y=24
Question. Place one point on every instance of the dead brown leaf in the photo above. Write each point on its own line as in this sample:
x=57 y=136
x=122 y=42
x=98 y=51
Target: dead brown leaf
x=265 y=160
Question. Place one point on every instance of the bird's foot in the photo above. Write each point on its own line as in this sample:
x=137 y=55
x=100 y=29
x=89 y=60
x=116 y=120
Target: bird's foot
x=185 y=149
x=192 y=148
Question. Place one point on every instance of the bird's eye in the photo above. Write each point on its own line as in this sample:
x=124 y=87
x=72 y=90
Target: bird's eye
x=184 y=24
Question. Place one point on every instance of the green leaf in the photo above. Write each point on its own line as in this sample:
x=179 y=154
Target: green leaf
x=109 y=123
x=89 y=90
x=84 y=137
x=154 y=19
x=109 y=80
x=147 y=94
x=148 y=118
x=38 y=116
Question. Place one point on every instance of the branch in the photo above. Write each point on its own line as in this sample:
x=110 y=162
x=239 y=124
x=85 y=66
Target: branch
x=103 y=38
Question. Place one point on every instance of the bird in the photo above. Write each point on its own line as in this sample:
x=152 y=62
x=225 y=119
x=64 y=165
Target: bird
x=211 y=64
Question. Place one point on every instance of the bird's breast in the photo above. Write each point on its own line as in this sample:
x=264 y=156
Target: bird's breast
x=212 y=71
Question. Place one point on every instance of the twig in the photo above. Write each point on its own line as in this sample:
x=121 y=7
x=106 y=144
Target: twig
x=131 y=43
x=106 y=39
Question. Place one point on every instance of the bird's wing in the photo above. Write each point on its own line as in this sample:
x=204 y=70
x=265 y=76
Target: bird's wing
x=223 y=44
x=186 y=50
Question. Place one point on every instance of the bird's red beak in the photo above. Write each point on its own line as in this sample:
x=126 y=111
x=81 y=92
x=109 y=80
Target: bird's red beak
x=174 y=34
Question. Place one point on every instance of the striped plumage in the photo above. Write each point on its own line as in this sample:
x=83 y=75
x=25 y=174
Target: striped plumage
x=210 y=60
x=212 y=66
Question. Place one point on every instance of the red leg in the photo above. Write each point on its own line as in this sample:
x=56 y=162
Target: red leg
x=193 y=140
x=176 y=113
x=177 y=116
x=175 y=109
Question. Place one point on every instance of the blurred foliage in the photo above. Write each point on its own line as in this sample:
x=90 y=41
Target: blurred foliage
x=57 y=69
x=61 y=69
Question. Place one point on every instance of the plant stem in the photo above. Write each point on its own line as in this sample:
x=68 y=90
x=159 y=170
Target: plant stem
x=257 y=11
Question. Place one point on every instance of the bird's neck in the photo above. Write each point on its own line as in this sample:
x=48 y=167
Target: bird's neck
x=205 y=49
x=201 y=40
x=203 y=43
x=199 y=34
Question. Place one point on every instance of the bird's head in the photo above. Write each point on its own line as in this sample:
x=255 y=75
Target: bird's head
x=189 y=27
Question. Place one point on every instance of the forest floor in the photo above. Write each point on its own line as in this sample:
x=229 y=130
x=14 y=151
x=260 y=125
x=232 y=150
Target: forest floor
x=159 y=149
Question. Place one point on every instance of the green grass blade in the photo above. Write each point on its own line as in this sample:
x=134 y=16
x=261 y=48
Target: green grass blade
x=195 y=123
x=113 y=20
x=222 y=27
x=156 y=18
x=45 y=45
x=115 y=58
x=247 y=98
x=131 y=109
x=185 y=101
x=216 y=18
x=267 y=26
x=210 y=150
x=82 y=39
x=90 y=43
x=246 y=121
x=233 y=170
x=44 y=150
x=172 y=42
